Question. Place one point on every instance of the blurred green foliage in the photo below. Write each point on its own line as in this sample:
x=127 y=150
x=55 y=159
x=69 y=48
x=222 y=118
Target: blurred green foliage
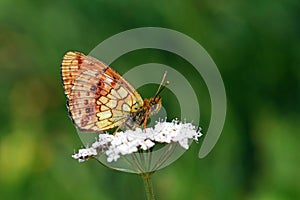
x=256 y=46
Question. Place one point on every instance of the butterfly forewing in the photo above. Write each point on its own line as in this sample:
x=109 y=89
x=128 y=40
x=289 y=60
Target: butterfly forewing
x=99 y=99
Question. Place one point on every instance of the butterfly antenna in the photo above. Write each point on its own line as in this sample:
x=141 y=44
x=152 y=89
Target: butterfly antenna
x=161 y=85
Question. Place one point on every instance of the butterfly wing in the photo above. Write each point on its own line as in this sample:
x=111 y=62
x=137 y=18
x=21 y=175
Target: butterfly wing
x=99 y=99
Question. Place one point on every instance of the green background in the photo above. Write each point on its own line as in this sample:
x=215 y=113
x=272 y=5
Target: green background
x=255 y=45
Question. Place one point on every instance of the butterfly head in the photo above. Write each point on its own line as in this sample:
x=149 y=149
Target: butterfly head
x=154 y=105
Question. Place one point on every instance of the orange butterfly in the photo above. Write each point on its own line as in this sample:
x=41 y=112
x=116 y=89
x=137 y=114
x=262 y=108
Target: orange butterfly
x=99 y=99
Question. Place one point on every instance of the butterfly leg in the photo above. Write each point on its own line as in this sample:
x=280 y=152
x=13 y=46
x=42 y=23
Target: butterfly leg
x=146 y=119
x=115 y=132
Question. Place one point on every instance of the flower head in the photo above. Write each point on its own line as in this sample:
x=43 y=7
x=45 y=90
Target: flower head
x=131 y=141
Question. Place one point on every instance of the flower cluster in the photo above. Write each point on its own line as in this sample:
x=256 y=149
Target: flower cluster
x=130 y=141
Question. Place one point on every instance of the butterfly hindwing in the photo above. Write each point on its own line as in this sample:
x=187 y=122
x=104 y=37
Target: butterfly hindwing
x=99 y=99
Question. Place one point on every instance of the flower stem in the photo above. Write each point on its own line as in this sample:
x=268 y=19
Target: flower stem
x=148 y=185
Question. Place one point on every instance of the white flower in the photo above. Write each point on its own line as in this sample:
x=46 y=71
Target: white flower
x=128 y=142
x=147 y=144
x=112 y=155
x=85 y=154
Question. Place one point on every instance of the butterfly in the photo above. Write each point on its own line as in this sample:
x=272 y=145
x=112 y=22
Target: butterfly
x=99 y=99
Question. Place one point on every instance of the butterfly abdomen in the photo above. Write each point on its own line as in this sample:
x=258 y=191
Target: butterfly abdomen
x=135 y=119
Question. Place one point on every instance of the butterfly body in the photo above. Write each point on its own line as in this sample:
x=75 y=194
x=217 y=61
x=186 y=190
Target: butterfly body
x=99 y=99
x=140 y=117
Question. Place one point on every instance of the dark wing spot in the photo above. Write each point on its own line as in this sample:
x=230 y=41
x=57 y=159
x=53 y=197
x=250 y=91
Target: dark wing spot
x=100 y=85
x=84 y=121
x=93 y=88
x=87 y=110
x=79 y=59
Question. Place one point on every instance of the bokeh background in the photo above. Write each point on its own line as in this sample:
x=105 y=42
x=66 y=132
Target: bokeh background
x=256 y=46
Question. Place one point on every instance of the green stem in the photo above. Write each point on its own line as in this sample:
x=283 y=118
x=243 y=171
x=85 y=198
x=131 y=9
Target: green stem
x=148 y=185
